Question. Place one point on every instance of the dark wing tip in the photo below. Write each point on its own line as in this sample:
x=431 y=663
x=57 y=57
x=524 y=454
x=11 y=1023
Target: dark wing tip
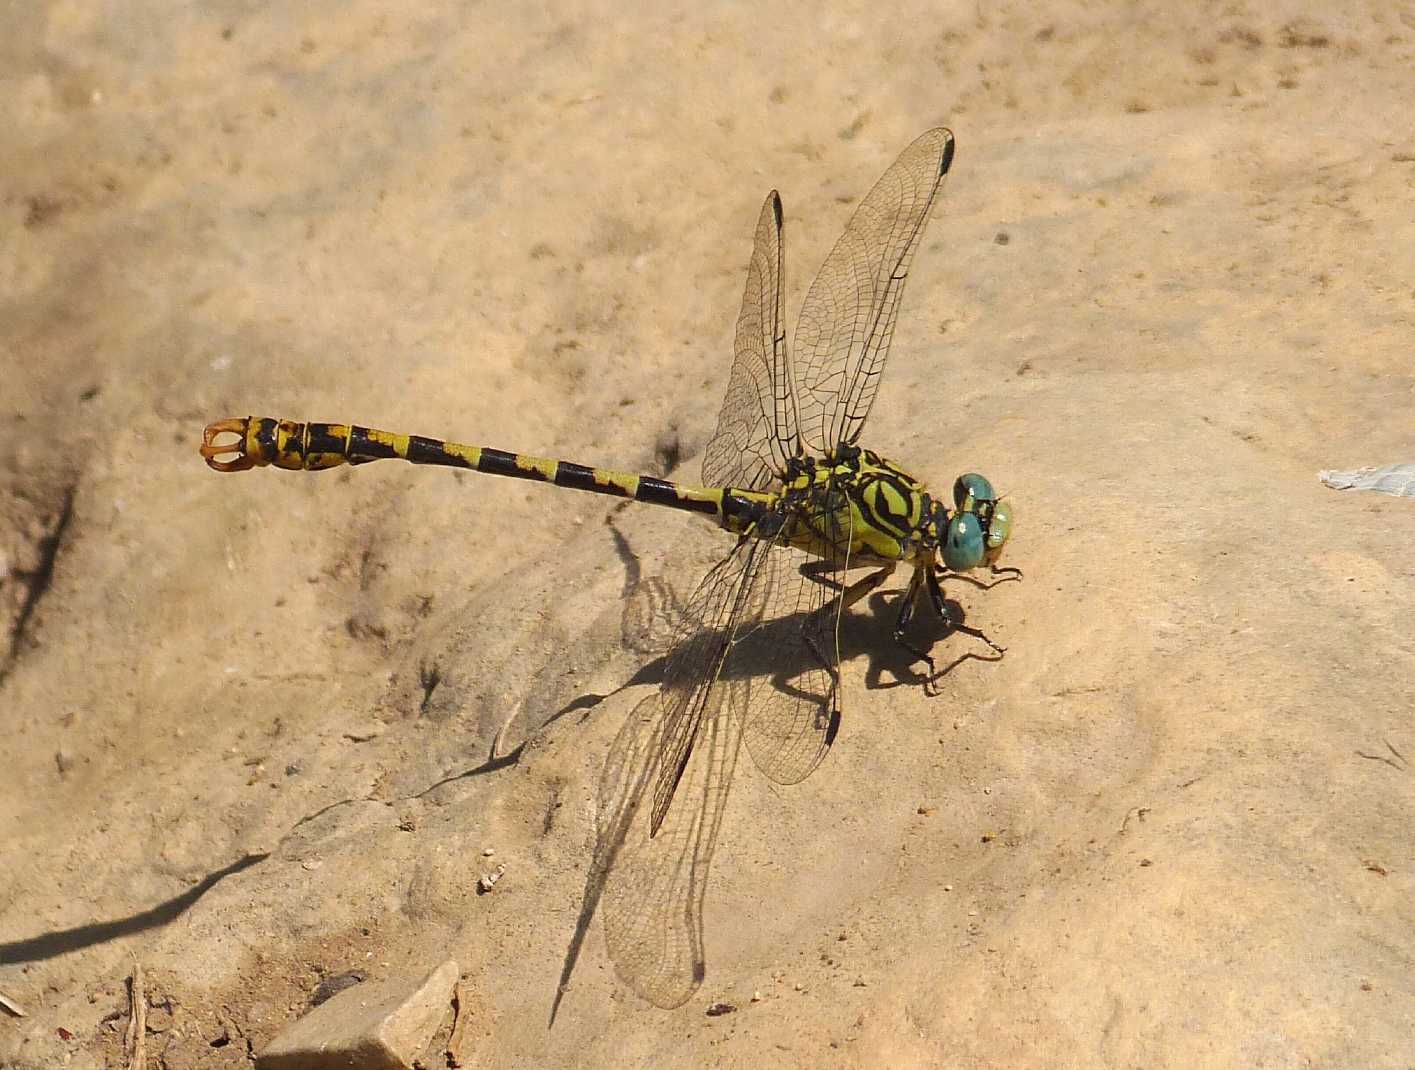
x=948 y=143
x=775 y=199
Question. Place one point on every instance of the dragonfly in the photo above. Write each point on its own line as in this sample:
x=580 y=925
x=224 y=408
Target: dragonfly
x=755 y=654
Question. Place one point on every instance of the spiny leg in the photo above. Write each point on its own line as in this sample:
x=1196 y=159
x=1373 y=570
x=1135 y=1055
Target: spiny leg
x=833 y=610
x=848 y=596
x=819 y=570
x=862 y=587
x=936 y=595
x=907 y=605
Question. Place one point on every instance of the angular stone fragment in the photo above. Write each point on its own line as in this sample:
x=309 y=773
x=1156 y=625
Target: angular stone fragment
x=381 y=1026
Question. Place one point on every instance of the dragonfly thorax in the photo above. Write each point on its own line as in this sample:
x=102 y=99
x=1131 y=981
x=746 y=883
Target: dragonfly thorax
x=855 y=506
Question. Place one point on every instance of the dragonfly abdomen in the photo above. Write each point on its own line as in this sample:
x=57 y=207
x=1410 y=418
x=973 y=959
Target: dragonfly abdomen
x=294 y=446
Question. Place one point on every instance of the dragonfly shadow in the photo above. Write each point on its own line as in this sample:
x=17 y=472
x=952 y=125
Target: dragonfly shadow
x=885 y=656
x=652 y=889
x=651 y=615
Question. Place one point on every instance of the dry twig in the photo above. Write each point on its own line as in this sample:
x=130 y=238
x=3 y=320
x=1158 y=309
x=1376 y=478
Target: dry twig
x=136 y=1037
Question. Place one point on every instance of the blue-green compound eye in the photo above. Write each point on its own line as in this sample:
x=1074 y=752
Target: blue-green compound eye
x=971 y=488
x=963 y=548
x=1000 y=526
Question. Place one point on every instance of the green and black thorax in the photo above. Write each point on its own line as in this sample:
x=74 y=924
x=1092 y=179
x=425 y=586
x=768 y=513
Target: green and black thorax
x=855 y=505
x=852 y=504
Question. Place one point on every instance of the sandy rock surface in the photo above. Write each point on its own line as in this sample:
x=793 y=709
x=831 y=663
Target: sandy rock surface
x=1172 y=276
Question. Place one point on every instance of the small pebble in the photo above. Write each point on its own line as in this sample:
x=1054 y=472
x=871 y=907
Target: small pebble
x=487 y=881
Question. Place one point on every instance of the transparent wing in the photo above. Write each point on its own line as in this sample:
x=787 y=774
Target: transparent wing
x=652 y=858
x=727 y=599
x=790 y=661
x=847 y=321
x=761 y=624
x=754 y=661
x=757 y=427
x=653 y=888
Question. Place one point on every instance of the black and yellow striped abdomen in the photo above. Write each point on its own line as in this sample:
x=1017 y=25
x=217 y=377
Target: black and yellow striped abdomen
x=294 y=446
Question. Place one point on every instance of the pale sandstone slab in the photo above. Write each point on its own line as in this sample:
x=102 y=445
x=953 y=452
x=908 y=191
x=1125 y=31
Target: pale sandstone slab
x=368 y=1027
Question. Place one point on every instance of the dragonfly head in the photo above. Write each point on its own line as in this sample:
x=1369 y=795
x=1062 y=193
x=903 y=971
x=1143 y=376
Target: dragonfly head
x=979 y=526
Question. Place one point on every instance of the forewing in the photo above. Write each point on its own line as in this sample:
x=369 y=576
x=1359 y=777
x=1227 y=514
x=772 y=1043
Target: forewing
x=847 y=321
x=757 y=427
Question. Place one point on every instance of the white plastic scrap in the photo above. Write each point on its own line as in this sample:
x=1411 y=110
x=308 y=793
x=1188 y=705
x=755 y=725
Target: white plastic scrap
x=1397 y=479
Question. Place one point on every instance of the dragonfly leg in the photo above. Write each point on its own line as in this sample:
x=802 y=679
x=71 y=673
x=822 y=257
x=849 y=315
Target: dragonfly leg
x=819 y=570
x=1007 y=572
x=1000 y=575
x=836 y=606
x=857 y=590
x=936 y=595
x=831 y=611
x=907 y=604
